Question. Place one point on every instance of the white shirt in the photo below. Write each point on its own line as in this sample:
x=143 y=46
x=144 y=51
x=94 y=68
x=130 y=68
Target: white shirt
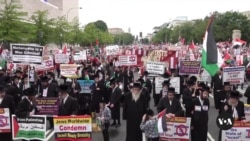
x=1 y=100
x=201 y=101
x=65 y=99
x=45 y=92
x=170 y=102
x=235 y=113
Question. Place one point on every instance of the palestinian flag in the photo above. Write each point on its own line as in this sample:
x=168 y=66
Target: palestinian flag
x=162 y=125
x=211 y=57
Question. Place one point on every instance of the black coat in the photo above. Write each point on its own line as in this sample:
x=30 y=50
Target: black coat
x=133 y=112
x=24 y=108
x=174 y=108
x=70 y=107
x=216 y=82
x=239 y=108
x=15 y=92
x=221 y=100
x=200 y=120
x=8 y=102
x=52 y=90
x=116 y=99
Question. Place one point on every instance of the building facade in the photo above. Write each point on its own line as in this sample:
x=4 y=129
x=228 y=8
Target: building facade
x=115 y=31
x=55 y=8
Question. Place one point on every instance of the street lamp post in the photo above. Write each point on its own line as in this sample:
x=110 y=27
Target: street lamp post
x=67 y=16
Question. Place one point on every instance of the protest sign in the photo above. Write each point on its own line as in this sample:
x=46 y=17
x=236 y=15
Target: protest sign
x=239 y=132
x=47 y=63
x=61 y=58
x=5 y=120
x=25 y=53
x=69 y=70
x=76 y=128
x=127 y=60
x=247 y=111
x=158 y=84
x=155 y=67
x=47 y=106
x=85 y=84
x=29 y=128
x=190 y=67
x=178 y=129
x=112 y=50
x=175 y=83
x=234 y=75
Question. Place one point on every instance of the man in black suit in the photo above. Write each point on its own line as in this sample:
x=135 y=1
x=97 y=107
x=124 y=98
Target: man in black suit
x=6 y=101
x=48 y=89
x=115 y=102
x=68 y=106
x=170 y=103
x=217 y=86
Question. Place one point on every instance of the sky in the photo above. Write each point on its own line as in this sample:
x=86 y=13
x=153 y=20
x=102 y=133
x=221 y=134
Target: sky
x=143 y=15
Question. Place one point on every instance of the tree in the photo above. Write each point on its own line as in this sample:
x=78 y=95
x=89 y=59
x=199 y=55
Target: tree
x=75 y=34
x=101 y=25
x=43 y=27
x=12 y=27
x=144 y=41
x=163 y=36
x=90 y=34
x=124 y=39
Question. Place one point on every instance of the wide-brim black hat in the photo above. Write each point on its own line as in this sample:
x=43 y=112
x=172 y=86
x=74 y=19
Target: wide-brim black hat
x=191 y=82
x=44 y=79
x=193 y=78
x=166 y=82
x=30 y=91
x=226 y=83
x=207 y=89
x=112 y=81
x=235 y=94
x=63 y=87
x=171 y=89
x=137 y=85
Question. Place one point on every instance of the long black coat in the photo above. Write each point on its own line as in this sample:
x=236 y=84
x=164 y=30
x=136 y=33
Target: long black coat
x=70 y=107
x=115 y=99
x=221 y=100
x=24 y=108
x=174 y=108
x=15 y=92
x=7 y=102
x=200 y=120
x=133 y=112
x=52 y=90
x=216 y=83
x=188 y=101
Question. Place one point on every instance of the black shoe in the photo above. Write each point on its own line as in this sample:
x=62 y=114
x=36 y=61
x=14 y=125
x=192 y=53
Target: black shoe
x=118 y=125
x=113 y=124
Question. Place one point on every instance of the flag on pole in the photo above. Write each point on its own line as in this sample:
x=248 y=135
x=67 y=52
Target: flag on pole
x=161 y=124
x=64 y=50
x=211 y=57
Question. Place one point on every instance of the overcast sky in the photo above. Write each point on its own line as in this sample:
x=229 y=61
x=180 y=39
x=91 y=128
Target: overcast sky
x=143 y=15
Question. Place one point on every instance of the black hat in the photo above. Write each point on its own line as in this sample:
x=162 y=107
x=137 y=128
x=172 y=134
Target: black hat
x=202 y=85
x=112 y=81
x=51 y=74
x=171 y=89
x=31 y=91
x=150 y=112
x=137 y=85
x=15 y=77
x=44 y=79
x=25 y=76
x=235 y=94
x=191 y=82
x=207 y=89
x=193 y=78
x=140 y=80
x=166 y=82
x=7 y=79
x=166 y=75
x=2 y=88
x=19 y=71
x=145 y=72
x=63 y=87
x=226 y=83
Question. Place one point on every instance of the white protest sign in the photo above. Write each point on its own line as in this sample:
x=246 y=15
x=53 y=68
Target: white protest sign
x=239 y=132
x=61 y=58
x=127 y=60
x=234 y=75
x=158 y=84
x=155 y=67
x=112 y=50
x=69 y=70
x=175 y=83
x=178 y=129
x=47 y=63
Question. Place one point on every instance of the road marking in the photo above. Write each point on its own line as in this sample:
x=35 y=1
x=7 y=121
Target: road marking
x=50 y=135
x=47 y=132
x=210 y=137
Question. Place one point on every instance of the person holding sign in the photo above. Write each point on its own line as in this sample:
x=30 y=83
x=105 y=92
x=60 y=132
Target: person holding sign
x=200 y=115
x=6 y=101
x=170 y=103
x=223 y=97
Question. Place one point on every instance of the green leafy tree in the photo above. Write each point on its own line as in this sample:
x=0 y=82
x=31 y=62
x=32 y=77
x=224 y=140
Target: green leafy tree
x=101 y=25
x=61 y=30
x=90 y=34
x=144 y=41
x=43 y=27
x=75 y=34
x=163 y=36
x=124 y=39
x=12 y=27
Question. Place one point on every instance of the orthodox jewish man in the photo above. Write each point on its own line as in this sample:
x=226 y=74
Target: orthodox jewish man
x=170 y=103
x=200 y=115
x=48 y=89
x=234 y=106
x=135 y=106
x=115 y=102
x=68 y=106
x=223 y=96
x=164 y=91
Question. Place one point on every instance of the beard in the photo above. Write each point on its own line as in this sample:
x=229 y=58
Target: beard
x=136 y=96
